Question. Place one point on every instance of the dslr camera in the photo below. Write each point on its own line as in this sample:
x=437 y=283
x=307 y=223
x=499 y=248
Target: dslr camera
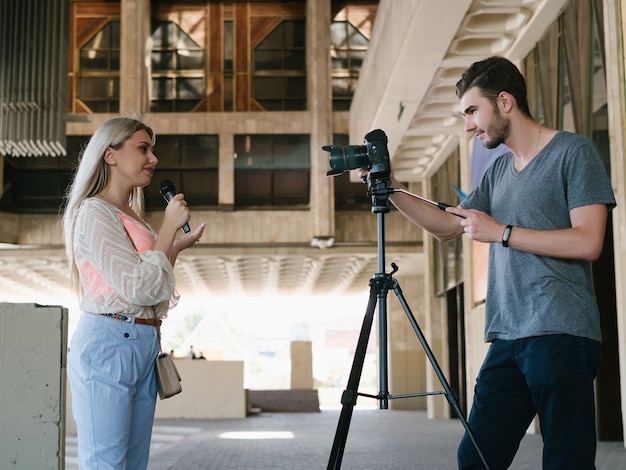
x=374 y=156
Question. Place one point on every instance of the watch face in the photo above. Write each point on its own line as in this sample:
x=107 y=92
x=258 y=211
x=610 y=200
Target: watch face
x=505 y=235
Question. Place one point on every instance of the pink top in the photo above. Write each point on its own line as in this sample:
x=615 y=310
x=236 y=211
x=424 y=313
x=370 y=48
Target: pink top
x=115 y=276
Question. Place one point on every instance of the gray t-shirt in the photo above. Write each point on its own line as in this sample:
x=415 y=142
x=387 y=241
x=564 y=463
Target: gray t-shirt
x=530 y=295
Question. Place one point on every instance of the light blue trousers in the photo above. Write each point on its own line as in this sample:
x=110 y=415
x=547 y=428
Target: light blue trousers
x=111 y=371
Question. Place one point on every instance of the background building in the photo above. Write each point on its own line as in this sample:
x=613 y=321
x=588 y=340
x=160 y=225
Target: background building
x=243 y=95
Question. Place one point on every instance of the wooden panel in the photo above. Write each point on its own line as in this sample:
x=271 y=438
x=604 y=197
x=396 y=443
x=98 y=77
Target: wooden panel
x=96 y=8
x=87 y=27
x=215 y=46
x=215 y=92
x=261 y=27
x=215 y=59
x=242 y=45
x=241 y=92
x=277 y=8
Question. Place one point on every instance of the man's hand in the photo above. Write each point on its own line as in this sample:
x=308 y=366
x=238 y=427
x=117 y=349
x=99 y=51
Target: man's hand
x=478 y=225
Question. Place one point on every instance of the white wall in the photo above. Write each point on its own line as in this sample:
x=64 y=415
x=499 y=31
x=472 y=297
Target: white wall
x=33 y=345
x=211 y=390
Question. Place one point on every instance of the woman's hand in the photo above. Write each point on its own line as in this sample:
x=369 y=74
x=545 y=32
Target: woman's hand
x=185 y=242
x=188 y=240
x=176 y=213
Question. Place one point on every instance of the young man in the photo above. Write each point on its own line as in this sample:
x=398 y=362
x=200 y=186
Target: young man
x=542 y=207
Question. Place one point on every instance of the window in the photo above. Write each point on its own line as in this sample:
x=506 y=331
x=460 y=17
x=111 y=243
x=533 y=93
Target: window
x=347 y=51
x=178 y=62
x=99 y=70
x=279 y=68
x=272 y=170
x=191 y=163
x=38 y=185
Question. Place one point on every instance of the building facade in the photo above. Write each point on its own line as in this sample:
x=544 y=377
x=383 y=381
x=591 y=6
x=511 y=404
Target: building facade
x=243 y=95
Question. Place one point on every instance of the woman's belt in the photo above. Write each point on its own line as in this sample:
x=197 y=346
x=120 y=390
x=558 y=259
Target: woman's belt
x=129 y=319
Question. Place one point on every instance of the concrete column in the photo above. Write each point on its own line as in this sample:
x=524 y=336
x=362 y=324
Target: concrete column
x=319 y=97
x=135 y=60
x=226 y=176
x=301 y=365
x=407 y=360
x=33 y=345
x=615 y=48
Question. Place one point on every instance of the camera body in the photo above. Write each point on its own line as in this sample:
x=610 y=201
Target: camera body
x=374 y=156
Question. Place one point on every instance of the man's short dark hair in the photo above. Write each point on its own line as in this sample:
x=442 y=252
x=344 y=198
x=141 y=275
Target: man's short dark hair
x=492 y=76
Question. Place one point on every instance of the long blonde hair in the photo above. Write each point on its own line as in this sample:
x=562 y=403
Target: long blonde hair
x=92 y=175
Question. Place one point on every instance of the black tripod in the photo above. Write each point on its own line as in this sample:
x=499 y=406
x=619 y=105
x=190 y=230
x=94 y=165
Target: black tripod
x=380 y=284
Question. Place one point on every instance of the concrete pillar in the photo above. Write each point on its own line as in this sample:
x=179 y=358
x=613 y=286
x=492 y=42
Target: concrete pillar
x=407 y=360
x=301 y=365
x=226 y=177
x=33 y=345
x=615 y=45
x=135 y=61
x=319 y=98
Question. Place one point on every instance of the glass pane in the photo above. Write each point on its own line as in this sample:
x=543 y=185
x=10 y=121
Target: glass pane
x=101 y=40
x=296 y=87
x=291 y=187
x=115 y=60
x=274 y=40
x=266 y=87
x=183 y=40
x=92 y=59
x=162 y=88
x=338 y=34
x=114 y=84
x=189 y=88
x=200 y=150
x=184 y=106
x=167 y=150
x=271 y=105
x=115 y=34
x=253 y=187
x=162 y=60
x=200 y=187
x=296 y=34
x=97 y=106
x=355 y=39
x=295 y=60
x=341 y=104
x=356 y=59
x=190 y=60
x=340 y=60
x=253 y=151
x=341 y=87
x=91 y=88
x=295 y=105
x=228 y=45
x=161 y=106
x=268 y=60
x=162 y=35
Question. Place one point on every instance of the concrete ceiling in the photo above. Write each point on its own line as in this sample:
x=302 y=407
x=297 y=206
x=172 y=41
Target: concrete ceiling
x=40 y=275
x=417 y=108
x=420 y=48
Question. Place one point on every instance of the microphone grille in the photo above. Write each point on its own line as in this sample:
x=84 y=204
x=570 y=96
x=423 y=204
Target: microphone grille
x=167 y=186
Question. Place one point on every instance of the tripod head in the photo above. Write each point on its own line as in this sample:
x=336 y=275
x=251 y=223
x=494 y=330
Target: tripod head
x=379 y=189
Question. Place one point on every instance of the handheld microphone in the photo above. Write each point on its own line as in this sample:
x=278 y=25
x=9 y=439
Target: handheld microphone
x=168 y=191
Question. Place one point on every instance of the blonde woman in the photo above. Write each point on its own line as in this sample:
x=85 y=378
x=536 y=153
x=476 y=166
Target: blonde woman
x=123 y=271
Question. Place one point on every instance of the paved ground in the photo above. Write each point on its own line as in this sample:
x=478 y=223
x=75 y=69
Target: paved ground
x=377 y=439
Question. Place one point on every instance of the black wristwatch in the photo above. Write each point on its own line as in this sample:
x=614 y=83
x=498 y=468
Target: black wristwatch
x=506 y=235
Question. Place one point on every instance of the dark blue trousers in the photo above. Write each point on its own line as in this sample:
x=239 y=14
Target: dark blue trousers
x=551 y=376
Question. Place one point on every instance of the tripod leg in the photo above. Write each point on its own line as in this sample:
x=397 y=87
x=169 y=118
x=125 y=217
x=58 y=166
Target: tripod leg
x=349 y=396
x=450 y=395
